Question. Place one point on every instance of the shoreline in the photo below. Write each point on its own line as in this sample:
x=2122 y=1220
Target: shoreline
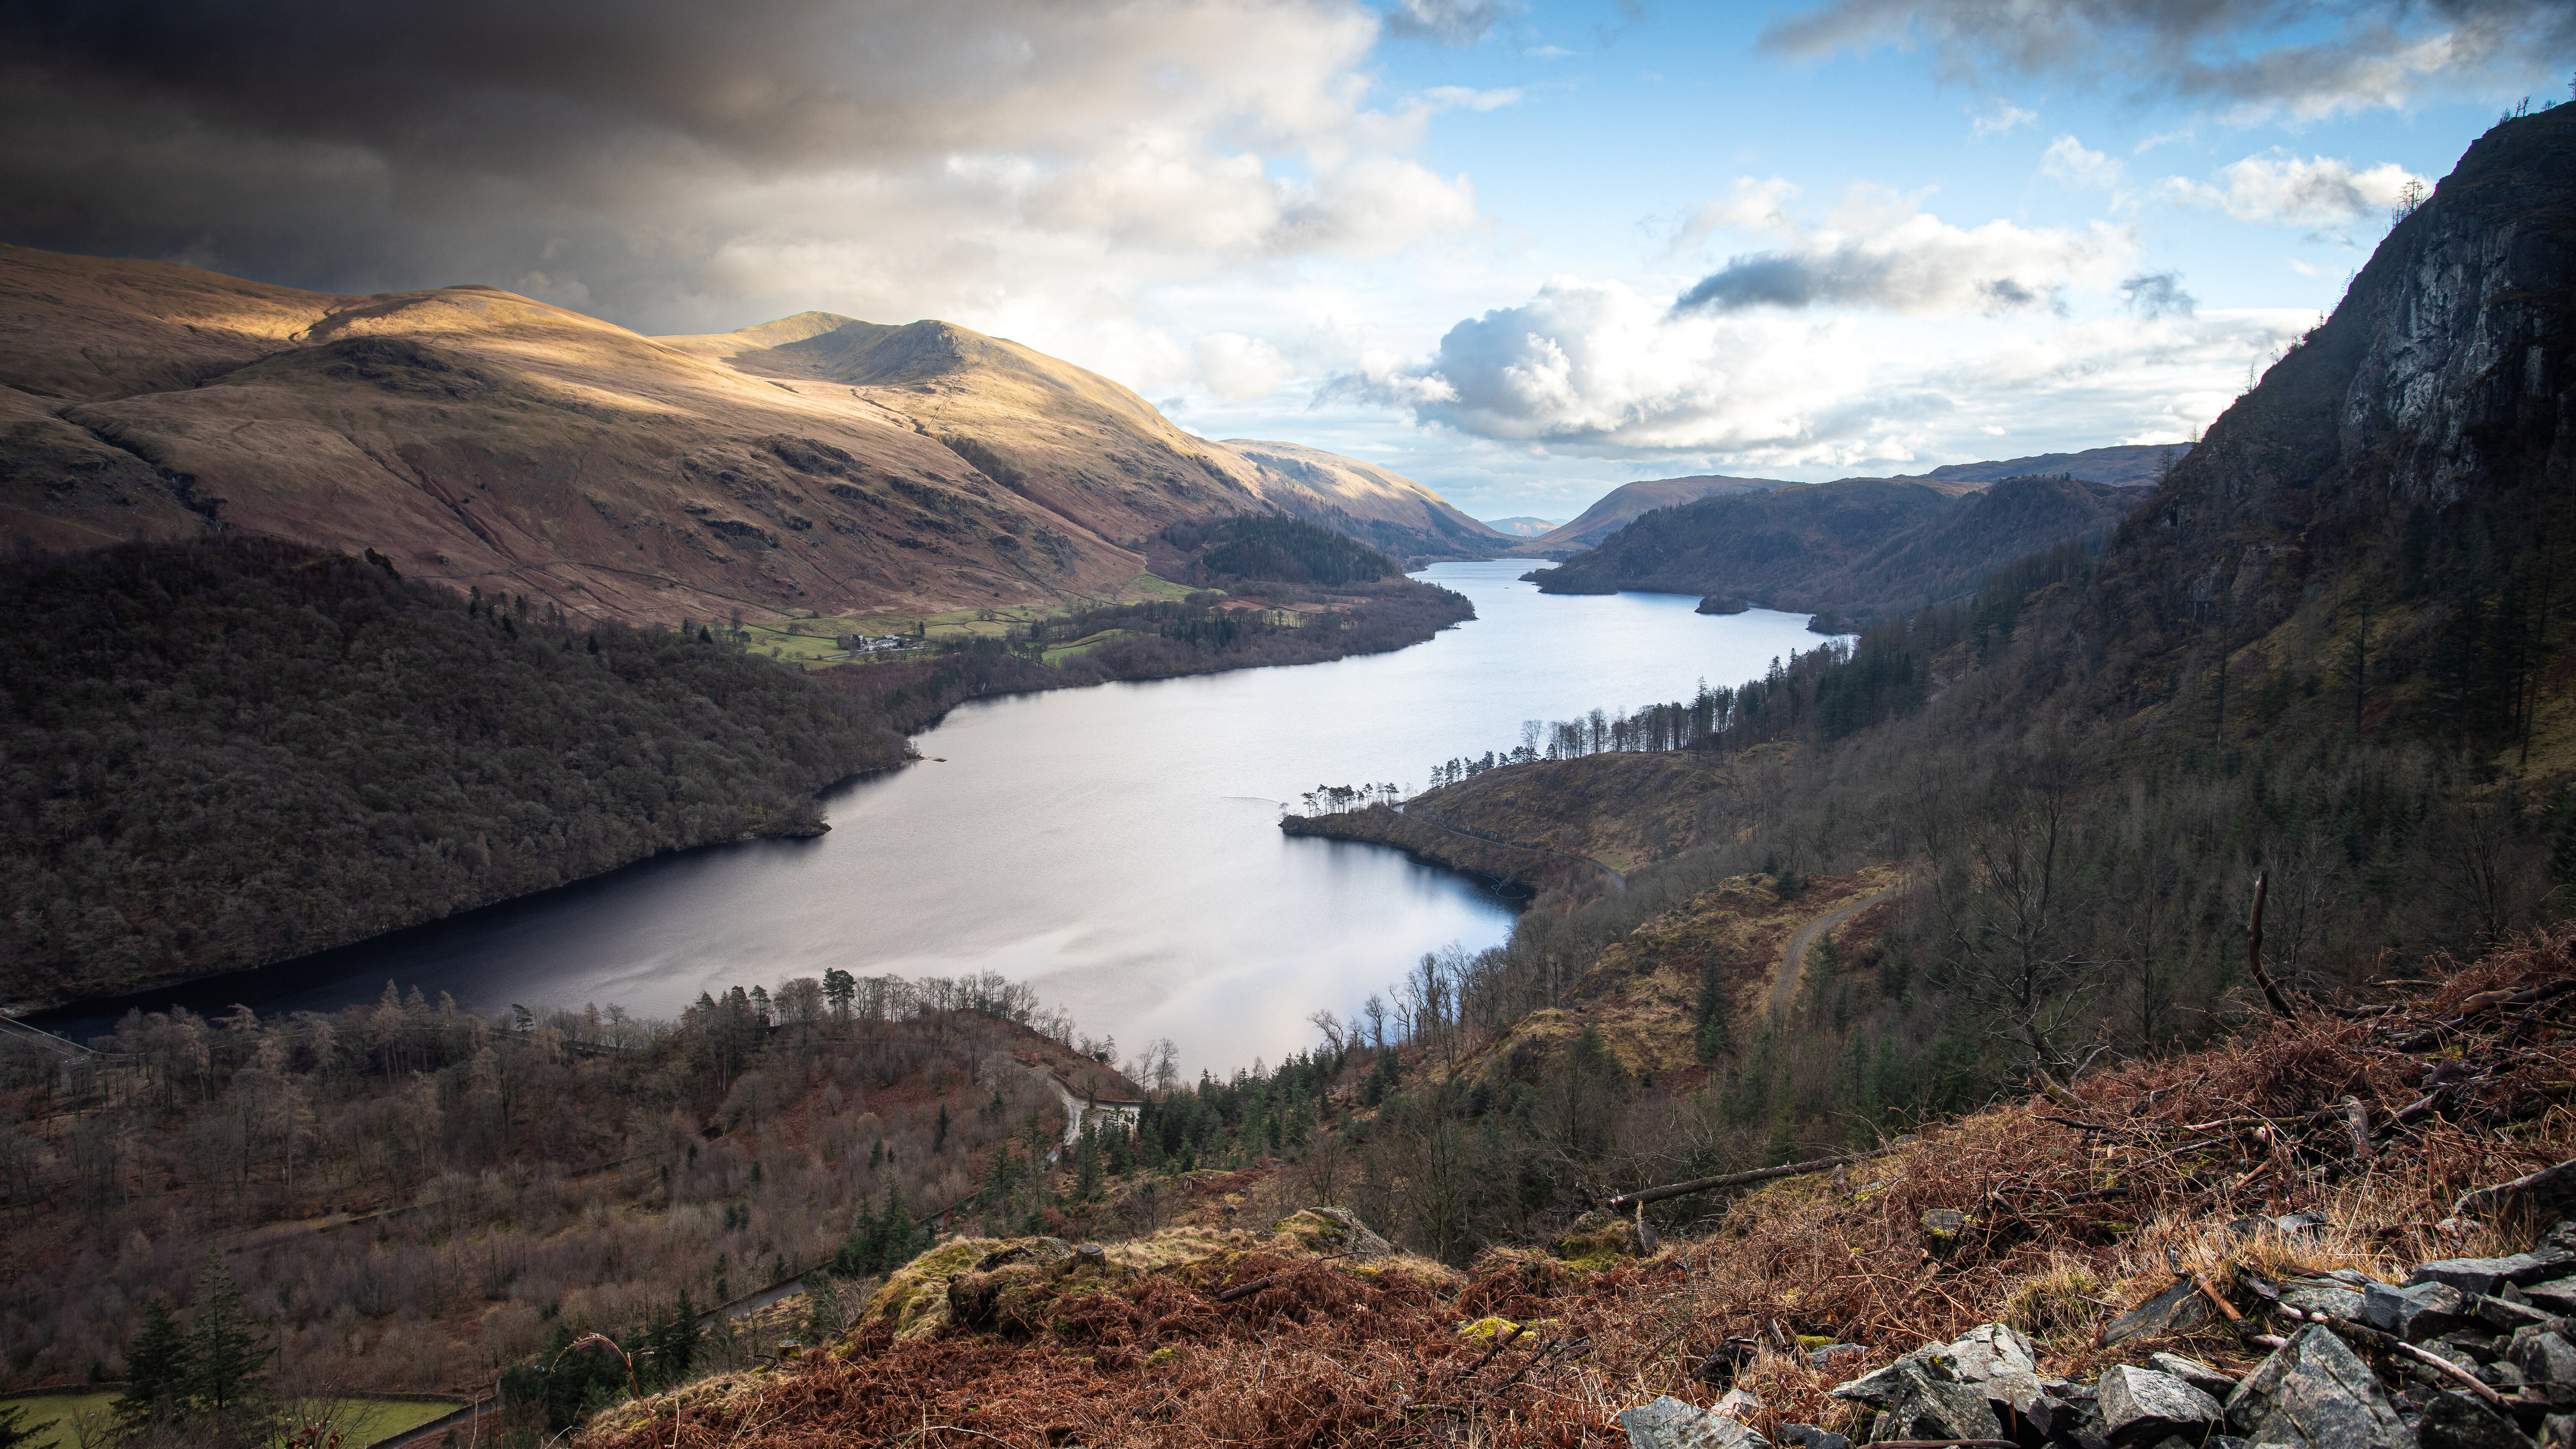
x=911 y=725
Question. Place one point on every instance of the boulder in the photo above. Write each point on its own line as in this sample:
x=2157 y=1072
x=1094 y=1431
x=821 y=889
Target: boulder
x=2178 y=1309
x=2141 y=1406
x=2558 y=1294
x=2334 y=1300
x=1997 y=1360
x=2417 y=1311
x=1926 y=1407
x=1331 y=1230
x=2543 y=1355
x=2454 y=1420
x=2315 y=1393
x=2481 y=1275
x=1808 y=1436
x=2072 y=1416
x=1668 y=1423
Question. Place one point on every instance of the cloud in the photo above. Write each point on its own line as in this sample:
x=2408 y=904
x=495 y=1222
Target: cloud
x=1883 y=253
x=1450 y=22
x=2249 y=56
x=2067 y=160
x=679 y=165
x=1595 y=368
x=1238 y=368
x=2155 y=295
x=2279 y=189
x=1999 y=116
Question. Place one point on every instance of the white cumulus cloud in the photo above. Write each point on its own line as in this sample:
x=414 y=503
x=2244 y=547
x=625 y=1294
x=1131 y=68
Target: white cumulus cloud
x=2281 y=189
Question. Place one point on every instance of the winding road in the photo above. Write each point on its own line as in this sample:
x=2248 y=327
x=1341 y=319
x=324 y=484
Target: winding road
x=1793 y=961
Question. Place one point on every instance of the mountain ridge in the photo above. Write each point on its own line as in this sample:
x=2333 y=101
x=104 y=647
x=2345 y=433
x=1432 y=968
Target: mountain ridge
x=808 y=465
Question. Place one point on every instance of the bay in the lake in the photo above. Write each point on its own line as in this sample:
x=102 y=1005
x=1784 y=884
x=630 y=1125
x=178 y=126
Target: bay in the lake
x=1115 y=846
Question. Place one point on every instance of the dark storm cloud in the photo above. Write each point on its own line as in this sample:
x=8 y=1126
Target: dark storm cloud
x=1924 y=280
x=2255 y=52
x=615 y=151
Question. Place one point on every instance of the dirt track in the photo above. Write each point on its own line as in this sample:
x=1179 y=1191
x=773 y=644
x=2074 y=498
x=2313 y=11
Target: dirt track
x=1793 y=961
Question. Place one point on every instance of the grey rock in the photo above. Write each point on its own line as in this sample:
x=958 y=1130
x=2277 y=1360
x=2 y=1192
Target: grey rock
x=1668 y=1423
x=2544 y=1356
x=2466 y=1345
x=2314 y=1393
x=2141 y=1406
x=2178 y=1309
x=2069 y=1420
x=1925 y=1407
x=2193 y=1372
x=1808 y=1436
x=2500 y=1374
x=2557 y=1293
x=2332 y=1300
x=1996 y=1359
x=2497 y=1311
x=2481 y=1275
x=1877 y=1388
x=2457 y=1421
x=2416 y=1312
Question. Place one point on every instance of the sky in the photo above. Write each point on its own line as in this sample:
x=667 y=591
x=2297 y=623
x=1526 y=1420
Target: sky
x=1520 y=250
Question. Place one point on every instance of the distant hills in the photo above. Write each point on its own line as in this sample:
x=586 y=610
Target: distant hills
x=1857 y=549
x=1616 y=508
x=2124 y=466
x=1524 y=526
x=486 y=439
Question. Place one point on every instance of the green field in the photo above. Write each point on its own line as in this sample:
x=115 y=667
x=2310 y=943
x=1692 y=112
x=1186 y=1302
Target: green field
x=363 y=1420
x=813 y=641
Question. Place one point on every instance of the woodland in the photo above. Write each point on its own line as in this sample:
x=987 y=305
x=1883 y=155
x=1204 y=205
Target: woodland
x=410 y=1197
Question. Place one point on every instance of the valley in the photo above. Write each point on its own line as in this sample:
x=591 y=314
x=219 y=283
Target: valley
x=579 y=873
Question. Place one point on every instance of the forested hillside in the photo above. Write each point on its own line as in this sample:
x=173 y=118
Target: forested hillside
x=2329 y=654
x=1862 y=548
x=230 y=751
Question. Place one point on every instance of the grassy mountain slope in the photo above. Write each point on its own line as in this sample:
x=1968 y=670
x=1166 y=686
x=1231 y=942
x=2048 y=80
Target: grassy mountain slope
x=1622 y=505
x=482 y=438
x=1082 y=445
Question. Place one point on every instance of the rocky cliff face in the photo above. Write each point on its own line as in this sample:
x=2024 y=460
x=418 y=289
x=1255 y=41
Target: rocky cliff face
x=2398 y=485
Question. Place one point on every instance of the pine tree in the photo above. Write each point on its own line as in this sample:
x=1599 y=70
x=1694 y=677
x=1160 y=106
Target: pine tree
x=158 y=1366
x=14 y=1430
x=226 y=1348
x=1714 y=1012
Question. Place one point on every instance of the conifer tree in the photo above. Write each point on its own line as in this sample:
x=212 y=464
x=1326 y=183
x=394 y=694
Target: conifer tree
x=14 y=1429
x=158 y=1366
x=225 y=1348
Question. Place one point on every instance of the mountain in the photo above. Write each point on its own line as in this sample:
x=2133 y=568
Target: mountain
x=1381 y=508
x=2129 y=465
x=485 y=439
x=1862 y=547
x=1614 y=509
x=1525 y=526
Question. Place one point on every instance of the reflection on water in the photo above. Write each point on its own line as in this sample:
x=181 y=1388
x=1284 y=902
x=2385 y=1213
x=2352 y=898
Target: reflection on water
x=1116 y=846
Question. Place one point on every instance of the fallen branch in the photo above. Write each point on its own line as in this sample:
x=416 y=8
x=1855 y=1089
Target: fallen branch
x=1738 y=1179
x=1246 y=1290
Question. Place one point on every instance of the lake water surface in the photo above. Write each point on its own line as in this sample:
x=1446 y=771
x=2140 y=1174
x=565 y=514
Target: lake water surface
x=1115 y=846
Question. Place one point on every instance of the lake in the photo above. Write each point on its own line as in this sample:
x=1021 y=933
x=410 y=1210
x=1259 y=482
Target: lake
x=1115 y=846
